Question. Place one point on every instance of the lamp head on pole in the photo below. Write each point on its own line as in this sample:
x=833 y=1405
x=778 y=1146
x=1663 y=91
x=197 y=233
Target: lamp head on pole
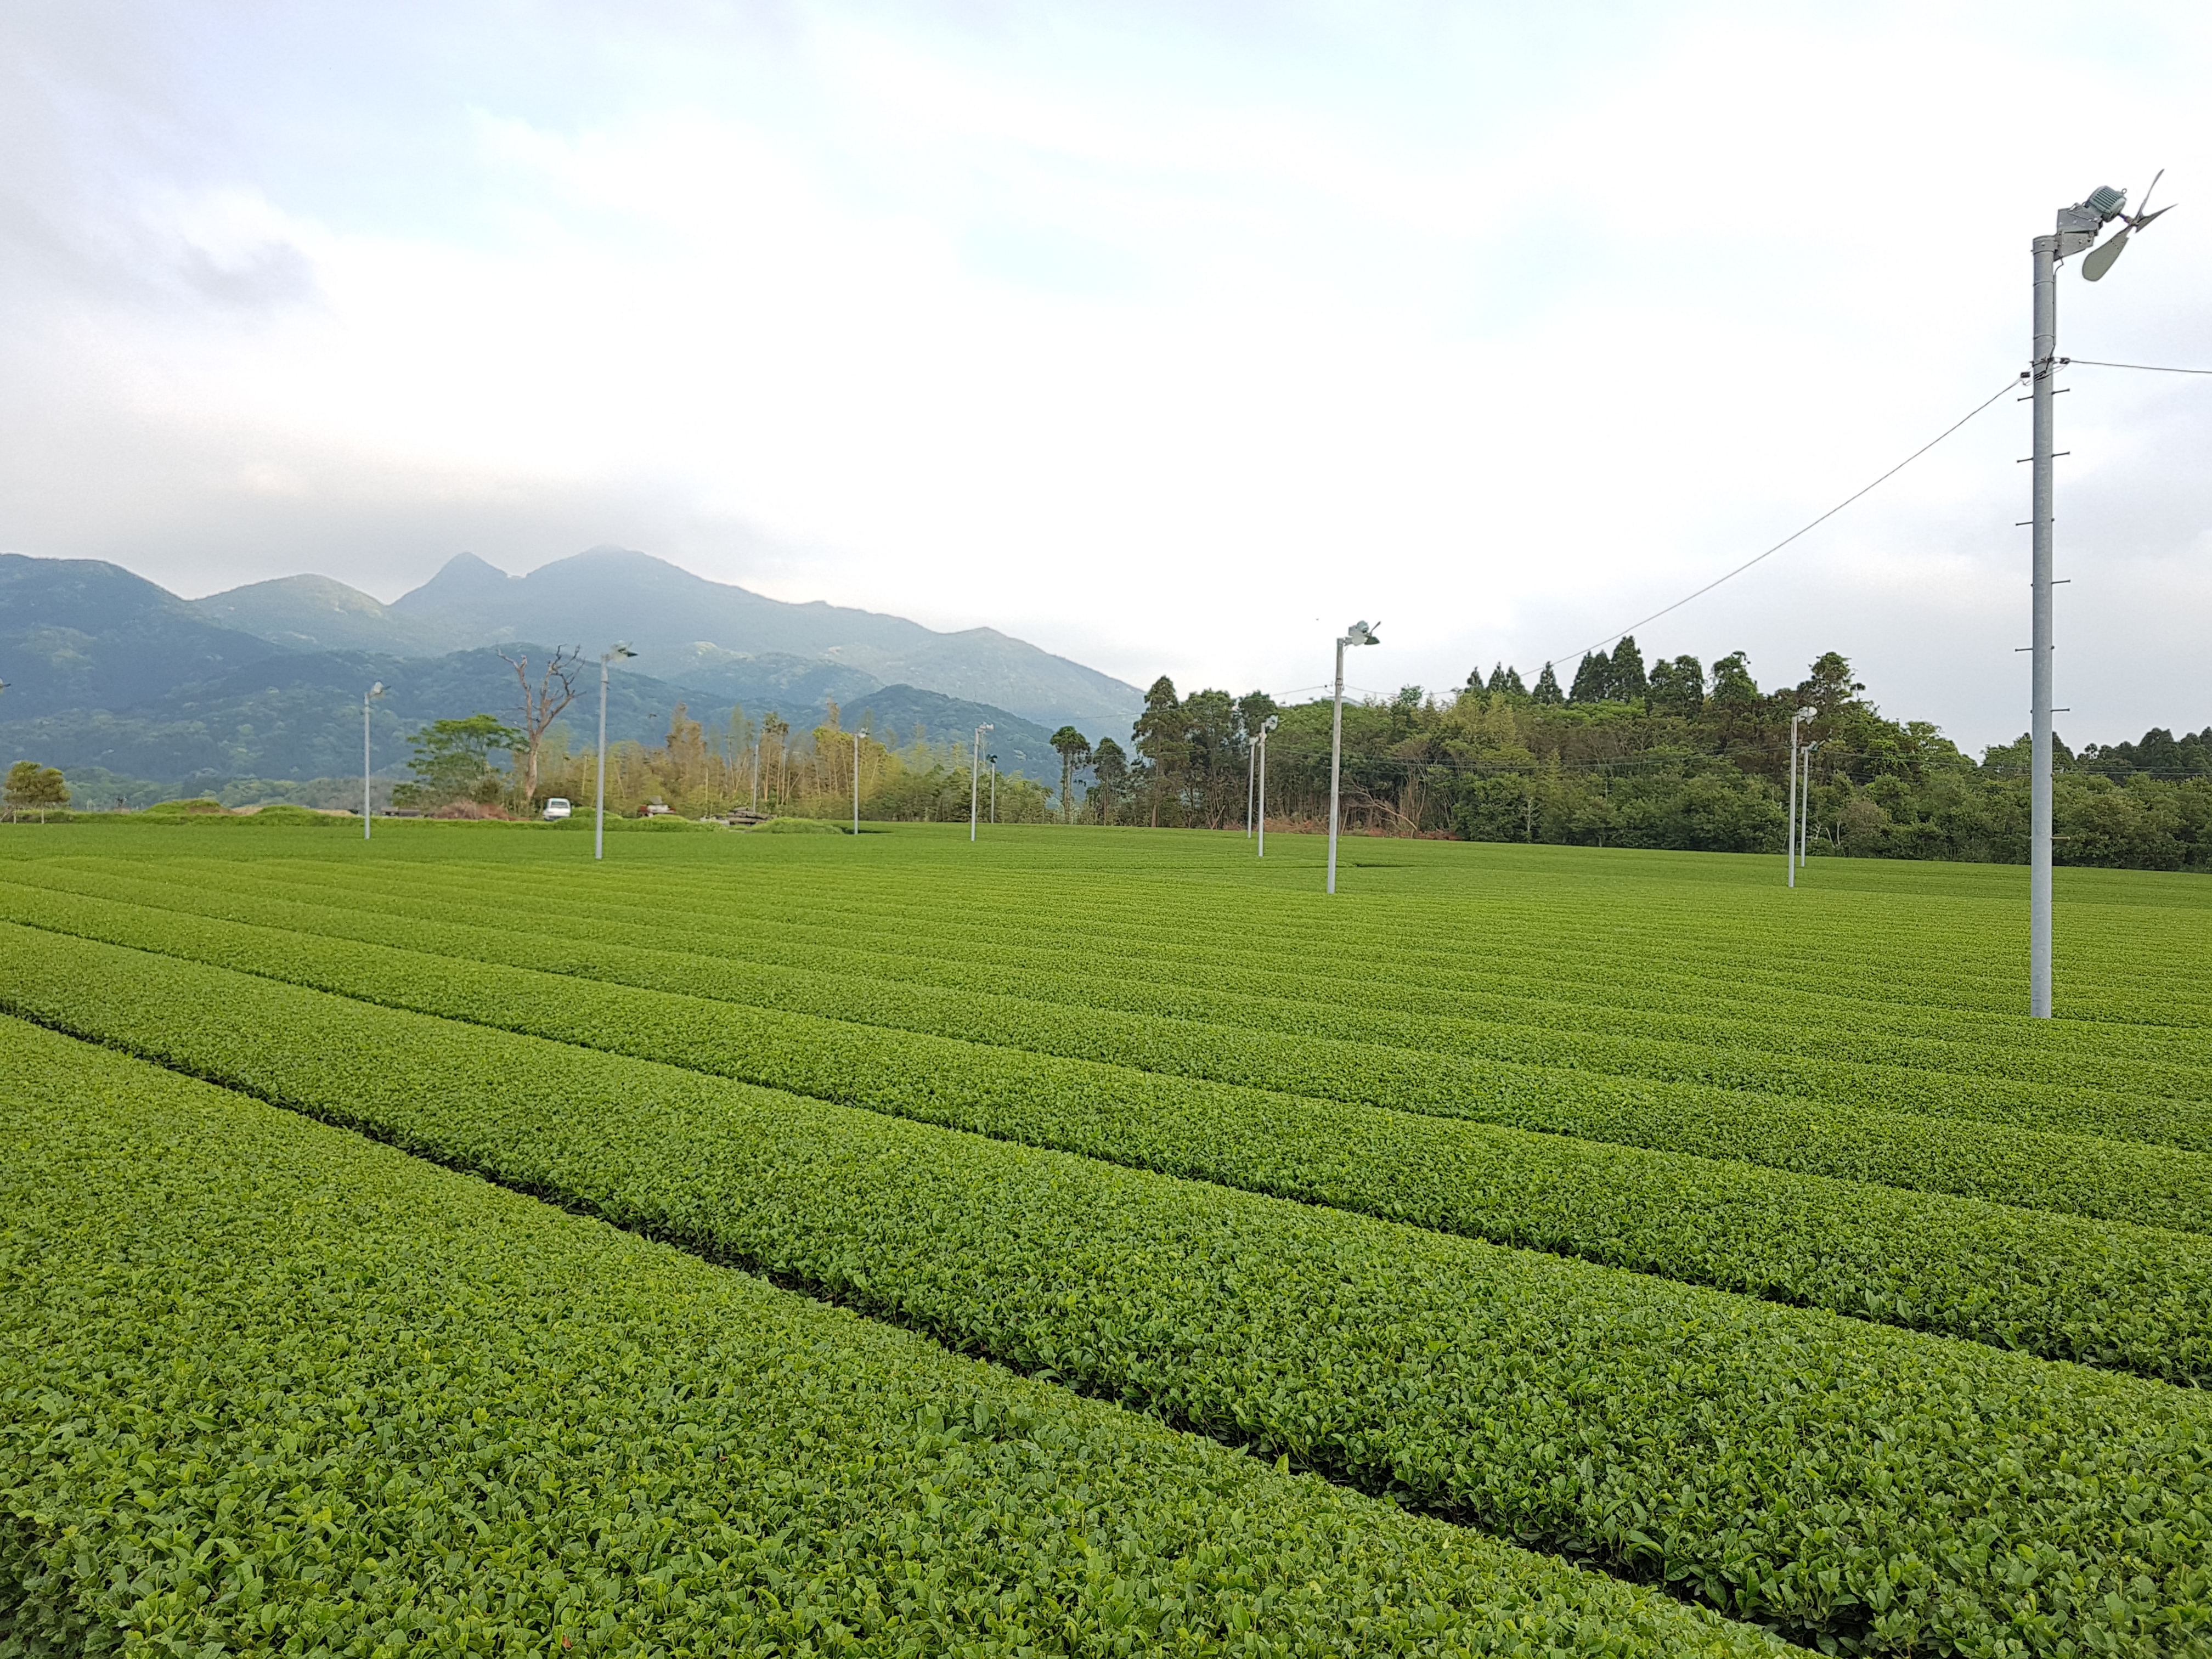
x=1807 y=713
x=1270 y=723
x=617 y=652
x=376 y=690
x=1360 y=634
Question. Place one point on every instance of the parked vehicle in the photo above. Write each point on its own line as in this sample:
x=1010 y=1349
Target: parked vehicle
x=558 y=807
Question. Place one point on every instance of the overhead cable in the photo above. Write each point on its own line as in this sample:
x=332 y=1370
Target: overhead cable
x=2148 y=368
x=1599 y=645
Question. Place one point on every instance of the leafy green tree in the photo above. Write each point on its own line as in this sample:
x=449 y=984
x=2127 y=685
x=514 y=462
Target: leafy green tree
x=1678 y=686
x=1214 y=767
x=451 y=761
x=1507 y=679
x=1547 y=690
x=1593 y=679
x=1829 y=685
x=1159 y=735
x=1252 y=711
x=1074 y=750
x=33 y=787
x=1732 y=680
x=1625 y=681
x=1110 y=768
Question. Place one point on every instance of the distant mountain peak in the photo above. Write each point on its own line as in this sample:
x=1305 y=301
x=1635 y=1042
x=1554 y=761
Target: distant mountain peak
x=465 y=579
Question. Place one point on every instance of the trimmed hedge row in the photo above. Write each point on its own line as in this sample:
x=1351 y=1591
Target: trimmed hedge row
x=1754 y=949
x=267 y=1387
x=1135 y=1116
x=1438 y=1068
x=1861 y=1485
x=886 y=940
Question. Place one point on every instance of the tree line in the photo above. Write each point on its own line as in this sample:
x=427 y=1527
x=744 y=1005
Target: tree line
x=1671 y=754
x=762 y=765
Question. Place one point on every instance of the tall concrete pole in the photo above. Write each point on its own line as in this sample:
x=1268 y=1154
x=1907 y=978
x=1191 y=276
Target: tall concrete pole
x=1266 y=726
x=1335 y=762
x=2043 y=368
x=599 y=800
x=1790 y=837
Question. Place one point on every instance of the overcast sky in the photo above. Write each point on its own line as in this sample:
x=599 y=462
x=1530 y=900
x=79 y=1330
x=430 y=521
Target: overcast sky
x=1171 y=337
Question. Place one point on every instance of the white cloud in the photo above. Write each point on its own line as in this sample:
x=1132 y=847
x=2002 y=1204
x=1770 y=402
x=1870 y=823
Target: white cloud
x=1162 y=338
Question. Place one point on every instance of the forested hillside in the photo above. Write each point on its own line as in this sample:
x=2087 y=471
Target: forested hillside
x=1671 y=755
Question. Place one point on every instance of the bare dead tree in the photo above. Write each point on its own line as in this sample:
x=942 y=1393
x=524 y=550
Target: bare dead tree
x=542 y=704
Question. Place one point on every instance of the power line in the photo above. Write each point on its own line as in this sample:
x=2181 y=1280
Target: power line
x=2149 y=368
x=1598 y=645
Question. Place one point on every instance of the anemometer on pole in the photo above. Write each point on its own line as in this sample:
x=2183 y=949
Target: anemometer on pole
x=2077 y=231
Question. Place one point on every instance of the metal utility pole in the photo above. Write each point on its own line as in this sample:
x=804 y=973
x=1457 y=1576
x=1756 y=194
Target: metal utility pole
x=856 y=783
x=2077 y=229
x=1805 y=806
x=1790 y=837
x=599 y=806
x=2043 y=366
x=994 y=759
x=1358 y=634
x=975 y=770
x=370 y=695
x=1260 y=744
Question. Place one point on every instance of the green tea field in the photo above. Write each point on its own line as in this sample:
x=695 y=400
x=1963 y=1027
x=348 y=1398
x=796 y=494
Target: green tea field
x=1092 y=1242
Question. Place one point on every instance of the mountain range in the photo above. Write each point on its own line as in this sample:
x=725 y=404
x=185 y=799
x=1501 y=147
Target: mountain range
x=111 y=674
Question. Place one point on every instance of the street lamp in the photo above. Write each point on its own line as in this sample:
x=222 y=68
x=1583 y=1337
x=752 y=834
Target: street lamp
x=619 y=649
x=2077 y=228
x=368 y=697
x=1358 y=633
x=856 y=783
x=1261 y=743
x=975 y=770
x=1790 y=837
x=994 y=759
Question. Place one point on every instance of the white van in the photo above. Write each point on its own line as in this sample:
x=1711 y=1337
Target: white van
x=558 y=807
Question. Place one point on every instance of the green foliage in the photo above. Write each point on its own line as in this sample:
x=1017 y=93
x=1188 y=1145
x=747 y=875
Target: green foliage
x=266 y=1387
x=1654 y=762
x=450 y=760
x=1074 y=750
x=2105 y=1295
x=1912 y=1493
x=33 y=787
x=1149 y=1116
